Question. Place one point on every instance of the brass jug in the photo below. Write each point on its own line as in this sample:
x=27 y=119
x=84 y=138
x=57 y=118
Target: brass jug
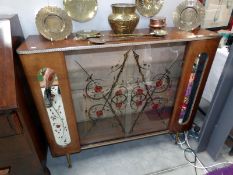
x=123 y=19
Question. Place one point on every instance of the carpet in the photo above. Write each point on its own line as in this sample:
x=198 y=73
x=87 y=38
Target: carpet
x=223 y=171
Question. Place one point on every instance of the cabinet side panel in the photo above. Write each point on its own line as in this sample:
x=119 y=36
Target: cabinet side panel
x=193 y=50
x=32 y=64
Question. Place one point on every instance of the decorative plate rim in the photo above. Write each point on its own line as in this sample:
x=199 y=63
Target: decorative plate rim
x=200 y=12
x=149 y=12
x=78 y=17
x=43 y=13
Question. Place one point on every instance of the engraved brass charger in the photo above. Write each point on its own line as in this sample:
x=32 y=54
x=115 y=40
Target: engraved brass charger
x=53 y=23
x=149 y=8
x=81 y=10
x=189 y=15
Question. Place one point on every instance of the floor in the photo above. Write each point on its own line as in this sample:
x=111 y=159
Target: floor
x=149 y=156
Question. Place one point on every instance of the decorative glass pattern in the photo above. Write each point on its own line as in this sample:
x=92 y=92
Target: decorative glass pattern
x=120 y=92
x=54 y=106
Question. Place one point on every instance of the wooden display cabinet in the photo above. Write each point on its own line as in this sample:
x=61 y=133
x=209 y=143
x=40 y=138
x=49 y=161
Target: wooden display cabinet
x=125 y=89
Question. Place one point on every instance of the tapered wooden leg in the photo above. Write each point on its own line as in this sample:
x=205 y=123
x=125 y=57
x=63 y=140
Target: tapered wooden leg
x=177 y=138
x=231 y=152
x=46 y=171
x=68 y=158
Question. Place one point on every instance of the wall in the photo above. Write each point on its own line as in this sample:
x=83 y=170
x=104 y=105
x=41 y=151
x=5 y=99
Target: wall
x=27 y=10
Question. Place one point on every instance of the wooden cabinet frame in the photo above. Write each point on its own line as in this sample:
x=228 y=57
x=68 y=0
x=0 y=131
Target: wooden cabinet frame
x=37 y=53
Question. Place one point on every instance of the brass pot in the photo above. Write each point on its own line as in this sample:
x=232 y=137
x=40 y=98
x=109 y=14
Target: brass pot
x=123 y=19
x=158 y=22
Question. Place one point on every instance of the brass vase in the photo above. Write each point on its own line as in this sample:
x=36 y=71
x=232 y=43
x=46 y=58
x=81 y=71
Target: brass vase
x=123 y=19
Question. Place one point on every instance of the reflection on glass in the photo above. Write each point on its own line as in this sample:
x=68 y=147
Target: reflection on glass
x=123 y=93
x=52 y=99
x=194 y=80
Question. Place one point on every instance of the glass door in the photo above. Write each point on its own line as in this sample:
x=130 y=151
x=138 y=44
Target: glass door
x=124 y=92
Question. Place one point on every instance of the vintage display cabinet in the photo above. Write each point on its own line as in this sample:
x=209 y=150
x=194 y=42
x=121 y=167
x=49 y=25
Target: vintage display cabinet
x=125 y=89
x=23 y=148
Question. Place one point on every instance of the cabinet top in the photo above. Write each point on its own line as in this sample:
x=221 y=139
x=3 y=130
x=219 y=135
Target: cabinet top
x=38 y=44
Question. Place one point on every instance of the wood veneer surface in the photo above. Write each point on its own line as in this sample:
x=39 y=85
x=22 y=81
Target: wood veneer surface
x=36 y=43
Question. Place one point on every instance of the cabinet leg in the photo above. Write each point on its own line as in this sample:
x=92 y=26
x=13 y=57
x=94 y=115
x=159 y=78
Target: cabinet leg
x=68 y=158
x=46 y=171
x=231 y=152
x=177 y=138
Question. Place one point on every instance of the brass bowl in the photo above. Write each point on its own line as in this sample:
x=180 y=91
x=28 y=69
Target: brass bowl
x=158 y=22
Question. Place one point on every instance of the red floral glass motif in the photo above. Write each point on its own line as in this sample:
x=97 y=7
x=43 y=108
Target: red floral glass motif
x=119 y=92
x=138 y=103
x=98 y=89
x=99 y=113
x=155 y=106
x=139 y=91
x=159 y=83
x=119 y=105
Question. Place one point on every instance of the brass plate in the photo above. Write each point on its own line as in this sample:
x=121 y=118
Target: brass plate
x=97 y=40
x=149 y=8
x=189 y=15
x=81 y=10
x=53 y=23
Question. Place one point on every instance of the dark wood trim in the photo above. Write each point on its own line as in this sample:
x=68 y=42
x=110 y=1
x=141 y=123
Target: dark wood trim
x=193 y=49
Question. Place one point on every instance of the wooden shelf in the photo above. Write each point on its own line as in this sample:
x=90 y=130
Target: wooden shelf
x=38 y=44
